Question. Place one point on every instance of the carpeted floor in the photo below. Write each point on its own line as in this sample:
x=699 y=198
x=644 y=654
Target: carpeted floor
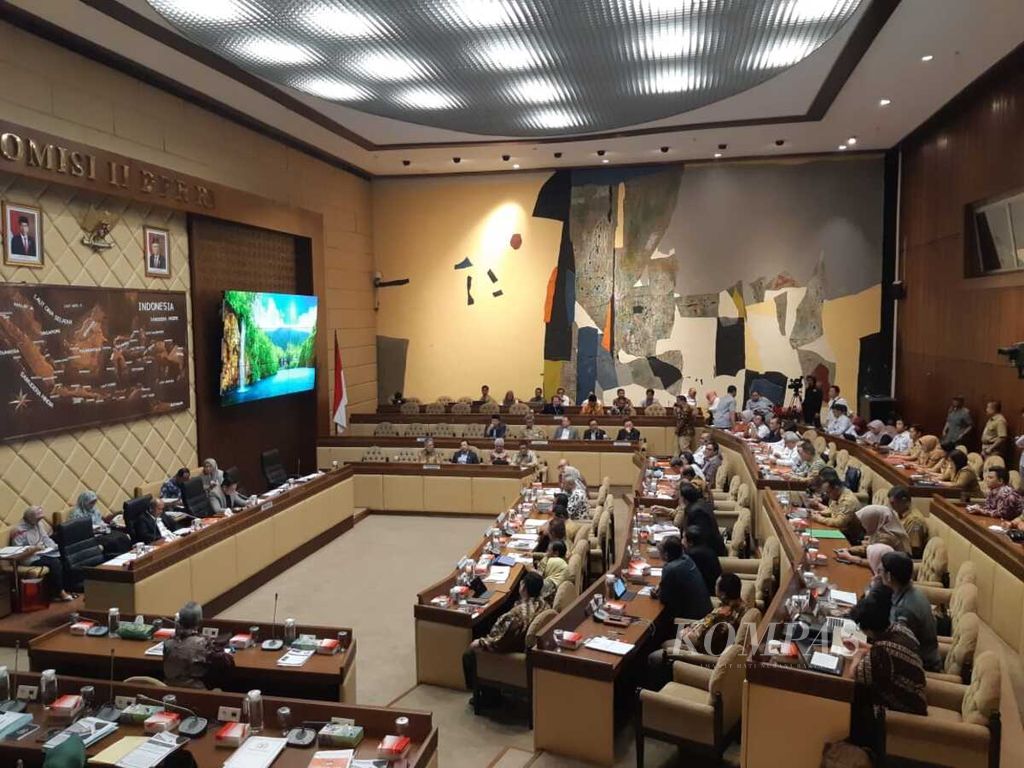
x=368 y=580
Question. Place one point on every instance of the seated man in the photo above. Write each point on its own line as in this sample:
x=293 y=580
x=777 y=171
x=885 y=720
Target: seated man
x=555 y=407
x=499 y=455
x=525 y=457
x=429 y=453
x=530 y=429
x=840 y=423
x=902 y=440
x=538 y=397
x=496 y=428
x=1002 y=501
x=681 y=590
x=808 y=462
x=649 y=398
x=192 y=660
x=912 y=520
x=622 y=404
x=842 y=507
x=593 y=407
x=565 y=430
x=111 y=542
x=628 y=432
x=711 y=635
x=785 y=453
x=485 y=395
x=508 y=635
x=174 y=488
x=563 y=398
x=154 y=526
x=226 y=497
x=775 y=431
x=911 y=607
x=465 y=455
x=756 y=403
x=712 y=462
x=594 y=432
x=703 y=555
x=757 y=429
x=30 y=532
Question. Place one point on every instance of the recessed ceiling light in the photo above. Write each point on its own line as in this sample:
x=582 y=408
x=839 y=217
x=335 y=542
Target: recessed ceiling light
x=783 y=54
x=718 y=155
x=553 y=118
x=425 y=98
x=815 y=10
x=202 y=10
x=508 y=55
x=842 y=146
x=335 y=90
x=884 y=102
x=670 y=82
x=515 y=166
x=604 y=159
x=662 y=7
x=342 y=22
x=852 y=140
x=536 y=91
x=480 y=13
x=672 y=42
x=264 y=50
x=927 y=57
x=386 y=66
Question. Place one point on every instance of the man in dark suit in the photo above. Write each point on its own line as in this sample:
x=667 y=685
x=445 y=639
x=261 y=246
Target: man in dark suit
x=595 y=432
x=465 y=455
x=23 y=244
x=157 y=257
x=496 y=428
x=629 y=432
x=154 y=525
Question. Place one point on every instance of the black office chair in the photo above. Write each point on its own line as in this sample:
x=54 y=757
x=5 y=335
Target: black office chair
x=132 y=510
x=273 y=470
x=197 y=503
x=78 y=549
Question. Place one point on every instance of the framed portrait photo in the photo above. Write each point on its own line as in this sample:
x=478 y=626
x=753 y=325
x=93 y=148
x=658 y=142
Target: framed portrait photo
x=23 y=235
x=157 y=251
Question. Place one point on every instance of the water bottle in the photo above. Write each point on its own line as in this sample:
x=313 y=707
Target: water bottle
x=253 y=707
x=5 y=684
x=48 y=687
x=290 y=631
x=113 y=620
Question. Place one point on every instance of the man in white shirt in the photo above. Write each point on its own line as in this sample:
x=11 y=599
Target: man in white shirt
x=785 y=452
x=902 y=440
x=840 y=423
x=691 y=396
x=563 y=398
x=698 y=455
x=757 y=429
x=834 y=399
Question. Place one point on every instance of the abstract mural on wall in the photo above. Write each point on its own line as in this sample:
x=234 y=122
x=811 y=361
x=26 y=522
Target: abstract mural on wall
x=719 y=275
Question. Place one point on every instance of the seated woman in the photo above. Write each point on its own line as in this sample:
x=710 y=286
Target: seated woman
x=31 y=532
x=174 y=487
x=881 y=526
x=190 y=659
x=554 y=568
x=212 y=474
x=876 y=430
x=110 y=541
x=498 y=454
x=510 y=399
x=225 y=497
x=959 y=475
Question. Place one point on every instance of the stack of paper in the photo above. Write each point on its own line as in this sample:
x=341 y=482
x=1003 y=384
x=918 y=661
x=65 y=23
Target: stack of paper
x=607 y=645
x=256 y=752
x=499 y=574
x=295 y=658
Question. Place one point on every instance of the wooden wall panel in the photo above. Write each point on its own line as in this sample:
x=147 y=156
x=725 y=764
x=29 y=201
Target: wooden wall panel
x=228 y=256
x=950 y=325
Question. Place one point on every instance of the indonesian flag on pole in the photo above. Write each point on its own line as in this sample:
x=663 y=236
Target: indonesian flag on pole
x=340 y=393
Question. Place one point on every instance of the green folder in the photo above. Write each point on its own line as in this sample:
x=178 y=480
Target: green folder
x=825 y=533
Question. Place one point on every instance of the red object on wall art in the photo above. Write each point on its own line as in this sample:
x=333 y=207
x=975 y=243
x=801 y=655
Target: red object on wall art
x=516 y=241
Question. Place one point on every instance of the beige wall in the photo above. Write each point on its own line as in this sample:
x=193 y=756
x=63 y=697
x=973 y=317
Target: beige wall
x=62 y=93
x=422 y=228
x=110 y=460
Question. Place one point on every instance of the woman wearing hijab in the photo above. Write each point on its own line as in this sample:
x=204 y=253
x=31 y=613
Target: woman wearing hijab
x=698 y=513
x=876 y=430
x=111 y=542
x=30 y=532
x=875 y=553
x=212 y=476
x=881 y=526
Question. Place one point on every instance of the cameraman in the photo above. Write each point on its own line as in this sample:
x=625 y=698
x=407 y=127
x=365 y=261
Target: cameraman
x=811 y=403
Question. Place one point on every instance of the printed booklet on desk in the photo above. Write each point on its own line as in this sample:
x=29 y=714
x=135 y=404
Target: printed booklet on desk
x=295 y=658
x=335 y=758
x=256 y=752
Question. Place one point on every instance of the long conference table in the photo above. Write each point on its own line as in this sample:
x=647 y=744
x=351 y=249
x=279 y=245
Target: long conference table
x=376 y=722
x=322 y=677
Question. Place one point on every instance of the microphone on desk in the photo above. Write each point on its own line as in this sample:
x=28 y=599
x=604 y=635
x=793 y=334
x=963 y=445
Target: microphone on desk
x=110 y=711
x=14 y=704
x=272 y=643
x=192 y=725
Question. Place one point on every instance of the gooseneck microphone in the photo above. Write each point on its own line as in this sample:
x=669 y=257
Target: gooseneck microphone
x=272 y=643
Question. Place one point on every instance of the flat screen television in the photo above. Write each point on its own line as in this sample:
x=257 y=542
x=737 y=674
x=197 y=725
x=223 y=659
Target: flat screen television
x=268 y=346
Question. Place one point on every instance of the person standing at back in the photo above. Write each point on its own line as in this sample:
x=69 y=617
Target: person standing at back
x=723 y=409
x=995 y=437
x=958 y=422
x=810 y=405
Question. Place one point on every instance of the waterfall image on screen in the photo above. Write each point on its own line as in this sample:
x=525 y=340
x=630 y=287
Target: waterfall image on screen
x=268 y=346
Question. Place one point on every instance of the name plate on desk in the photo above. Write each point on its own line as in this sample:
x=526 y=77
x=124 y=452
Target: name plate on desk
x=623 y=443
x=538 y=442
x=432 y=466
x=266 y=505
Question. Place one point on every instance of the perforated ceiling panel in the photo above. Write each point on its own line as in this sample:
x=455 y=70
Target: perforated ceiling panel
x=114 y=459
x=514 y=67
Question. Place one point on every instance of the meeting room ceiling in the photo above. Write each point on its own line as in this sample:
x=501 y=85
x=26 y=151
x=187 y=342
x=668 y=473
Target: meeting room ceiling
x=405 y=87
